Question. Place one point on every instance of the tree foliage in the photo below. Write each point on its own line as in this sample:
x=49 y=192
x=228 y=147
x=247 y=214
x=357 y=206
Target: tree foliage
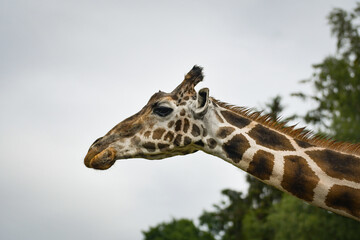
x=182 y=229
x=337 y=81
x=225 y=221
x=294 y=219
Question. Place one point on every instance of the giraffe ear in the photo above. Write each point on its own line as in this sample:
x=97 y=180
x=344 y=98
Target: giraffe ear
x=202 y=102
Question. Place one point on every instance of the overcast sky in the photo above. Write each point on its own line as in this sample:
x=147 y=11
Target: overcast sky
x=70 y=70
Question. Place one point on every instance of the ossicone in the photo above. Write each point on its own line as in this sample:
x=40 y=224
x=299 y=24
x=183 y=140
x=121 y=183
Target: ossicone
x=192 y=78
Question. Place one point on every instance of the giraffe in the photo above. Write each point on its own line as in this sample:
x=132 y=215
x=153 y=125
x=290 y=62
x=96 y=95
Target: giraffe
x=320 y=172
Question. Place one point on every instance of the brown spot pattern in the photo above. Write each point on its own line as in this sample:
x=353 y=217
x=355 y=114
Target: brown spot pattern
x=170 y=124
x=262 y=165
x=235 y=119
x=163 y=146
x=135 y=140
x=127 y=130
x=223 y=132
x=303 y=144
x=186 y=125
x=299 y=179
x=344 y=198
x=195 y=130
x=270 y=139
x=169 y=136
x=178 y=125
x=177 y=140
x=182 y=113
x=204 y=131
x=337 y=165
x=211 y=143
x=236 y=147
x=149 y=146
x=147 y=134
x=200 y=143
x=157 y=134
x=187 y=140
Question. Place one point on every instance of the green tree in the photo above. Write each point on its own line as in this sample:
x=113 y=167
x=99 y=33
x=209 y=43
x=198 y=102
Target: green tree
x=294 y=219
x=337 y=81
x=225 y=222
x=274 y=109
x=182 y=229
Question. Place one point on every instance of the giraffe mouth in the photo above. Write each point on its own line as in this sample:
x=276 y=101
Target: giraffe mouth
x=103 y=160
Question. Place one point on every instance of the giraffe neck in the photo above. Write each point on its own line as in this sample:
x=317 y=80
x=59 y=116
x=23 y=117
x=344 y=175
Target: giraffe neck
x=324 y=177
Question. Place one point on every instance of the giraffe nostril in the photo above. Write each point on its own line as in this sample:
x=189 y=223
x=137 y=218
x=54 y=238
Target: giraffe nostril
x=97 y=140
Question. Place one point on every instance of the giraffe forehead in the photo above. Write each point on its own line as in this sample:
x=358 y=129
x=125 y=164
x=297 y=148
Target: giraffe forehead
x=144 y=115
x=135 y=123
x=158 y=96
x=161 y=98
x=180 y=101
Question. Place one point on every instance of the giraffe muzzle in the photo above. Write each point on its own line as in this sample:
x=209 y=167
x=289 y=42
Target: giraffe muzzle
x=103 y=160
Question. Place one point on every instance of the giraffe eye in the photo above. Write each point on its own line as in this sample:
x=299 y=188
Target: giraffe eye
x=162 y=111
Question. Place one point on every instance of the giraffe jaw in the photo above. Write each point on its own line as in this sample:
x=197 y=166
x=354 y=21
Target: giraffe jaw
x=102 y=161
x=106 y=158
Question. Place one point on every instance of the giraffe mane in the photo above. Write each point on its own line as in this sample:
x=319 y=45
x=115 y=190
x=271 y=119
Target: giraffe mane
x=301 y=134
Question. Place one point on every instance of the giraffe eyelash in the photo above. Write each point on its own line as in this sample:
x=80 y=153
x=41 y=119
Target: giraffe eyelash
x=162 y=111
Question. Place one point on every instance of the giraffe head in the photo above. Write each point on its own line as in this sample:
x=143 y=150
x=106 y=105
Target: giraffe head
x=168 y=125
